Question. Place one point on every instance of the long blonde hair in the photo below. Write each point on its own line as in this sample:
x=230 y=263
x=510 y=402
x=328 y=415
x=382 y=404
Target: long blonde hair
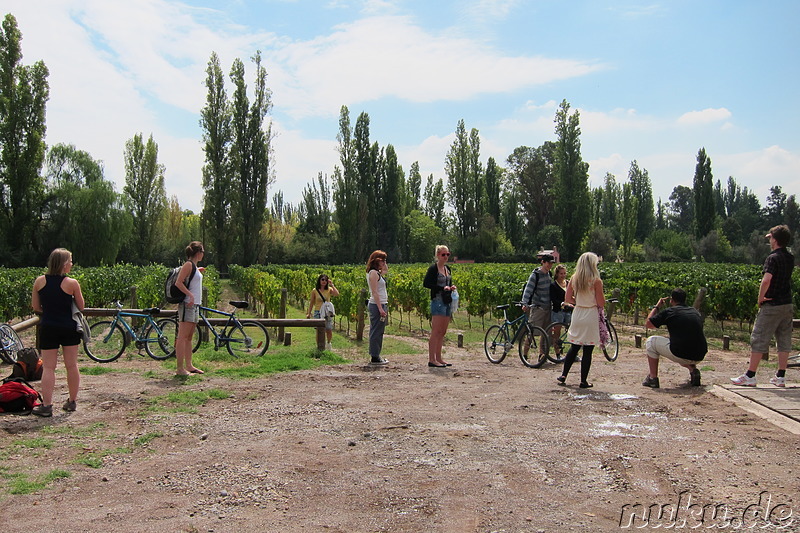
x=58 y=258
x=586 y=272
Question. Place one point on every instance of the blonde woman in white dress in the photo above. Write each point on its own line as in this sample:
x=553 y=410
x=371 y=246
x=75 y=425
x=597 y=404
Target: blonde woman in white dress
x=585 y=292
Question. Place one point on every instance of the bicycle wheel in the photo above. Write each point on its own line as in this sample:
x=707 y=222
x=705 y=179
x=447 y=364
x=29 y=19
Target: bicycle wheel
x=611 y=350
x=166 y=342
x=248 y=338
x=10 y=344
x=496 y=343
x=106 y=343
x=533 y=339
x=558 y=345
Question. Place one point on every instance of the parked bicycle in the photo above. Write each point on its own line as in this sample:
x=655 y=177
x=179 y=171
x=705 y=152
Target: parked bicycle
x=240 y=337
x=10 y=344
x=109 y=338
x=557 y=334
x=501 y=338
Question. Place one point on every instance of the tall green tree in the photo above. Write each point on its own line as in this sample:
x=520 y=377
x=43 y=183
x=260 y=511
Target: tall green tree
x=612 y=199
x=490 y=199
x=642 y=190
x=435 y=201
x=251 y=156
x=75 y=184
x=392 y=193
x=462 y=167
x=572 y=181
x=366 y=163
x=705 y=214
x=145 y=195
x=681 y=209
x=345 y=191
x=24 y=91
x=773 y=212
x=628 y=220
x=215 y=122
x=414 y=188
x=315 y=212
x=532 y=178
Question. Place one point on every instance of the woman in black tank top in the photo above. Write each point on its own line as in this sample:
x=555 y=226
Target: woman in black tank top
x=52 y=297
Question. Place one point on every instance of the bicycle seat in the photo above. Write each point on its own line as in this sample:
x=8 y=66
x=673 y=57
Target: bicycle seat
x=239 y=304
x=504 y=306
x=151 y=310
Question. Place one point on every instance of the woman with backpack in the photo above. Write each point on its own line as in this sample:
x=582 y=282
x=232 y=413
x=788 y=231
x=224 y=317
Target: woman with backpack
x=53 y=297
x=321 y=294
x=190 y=283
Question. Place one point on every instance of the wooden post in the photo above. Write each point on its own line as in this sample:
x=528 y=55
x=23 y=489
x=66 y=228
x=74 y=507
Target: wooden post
x=321 y=338
x=287 y=338
x=638 y=340
x=360 y=315
x=460 y=340
x=701 y=295
x=726 y=342
x=636 y=315
x=282 y=313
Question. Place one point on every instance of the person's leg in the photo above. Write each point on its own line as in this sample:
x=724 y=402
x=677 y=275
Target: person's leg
x=436 y=340
x=73 y=373
x=541 y=318
x=656 y=347
x=568 y=361
x=49 y=362
x=376 y=329
x=586 y=365
x=183 y=348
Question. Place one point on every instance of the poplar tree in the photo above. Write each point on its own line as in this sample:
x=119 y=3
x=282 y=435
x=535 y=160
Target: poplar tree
x=572 y=181
x=345 y=190
x=215 y=121
x=705 y=214
x=145 y=195
x=251 y=154
x=462 y=168
x=24 y=91
x=642 y=190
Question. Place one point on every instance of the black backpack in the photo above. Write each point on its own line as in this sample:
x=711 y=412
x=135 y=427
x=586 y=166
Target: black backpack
x=28 y=365
x=173 y=294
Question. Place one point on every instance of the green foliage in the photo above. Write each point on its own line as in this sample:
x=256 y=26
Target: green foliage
x=20 y=483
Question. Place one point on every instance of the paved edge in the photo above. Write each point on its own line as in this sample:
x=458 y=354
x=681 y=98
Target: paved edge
x=774 y=417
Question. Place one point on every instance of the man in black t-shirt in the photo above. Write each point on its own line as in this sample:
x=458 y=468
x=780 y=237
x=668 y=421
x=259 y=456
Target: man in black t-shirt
x=686 y=344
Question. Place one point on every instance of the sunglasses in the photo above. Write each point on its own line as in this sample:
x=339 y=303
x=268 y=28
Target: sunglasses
x=444 y=254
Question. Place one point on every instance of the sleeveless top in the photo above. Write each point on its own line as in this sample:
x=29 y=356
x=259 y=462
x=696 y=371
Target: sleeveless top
x=56 y=304
x=196 y=287
x=326 y=293
x=382 y=297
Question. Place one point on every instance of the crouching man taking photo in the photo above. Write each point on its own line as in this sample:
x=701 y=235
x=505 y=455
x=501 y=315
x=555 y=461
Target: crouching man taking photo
x=686 y=344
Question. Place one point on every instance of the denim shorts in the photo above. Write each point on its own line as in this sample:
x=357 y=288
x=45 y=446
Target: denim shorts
x=439 y=308
x=188 y=313
x=328 y=321
x=772 y=320
x=561 y=316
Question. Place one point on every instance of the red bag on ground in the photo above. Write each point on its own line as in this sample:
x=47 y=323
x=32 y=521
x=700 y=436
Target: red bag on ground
x=17 y=396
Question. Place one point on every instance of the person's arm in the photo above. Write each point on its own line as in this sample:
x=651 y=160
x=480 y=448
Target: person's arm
x=430 y=278
x=599 y=295
x=77 y=294
x=186 y=271
x=569 y=297
x=654 y=311
x=334 y=290
x=311 y=302
x=530 y=287
x=762 y=289
x=36 y=304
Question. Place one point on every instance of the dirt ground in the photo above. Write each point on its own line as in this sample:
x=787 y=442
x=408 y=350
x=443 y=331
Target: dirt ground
x=473 y=448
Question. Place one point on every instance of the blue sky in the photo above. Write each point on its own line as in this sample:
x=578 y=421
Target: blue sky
x=653 y=81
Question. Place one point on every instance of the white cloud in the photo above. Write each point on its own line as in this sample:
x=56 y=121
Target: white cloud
x=706 y=116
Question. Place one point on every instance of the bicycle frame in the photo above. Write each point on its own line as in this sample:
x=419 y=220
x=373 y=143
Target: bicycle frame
x=132 y=332
x=232 y=321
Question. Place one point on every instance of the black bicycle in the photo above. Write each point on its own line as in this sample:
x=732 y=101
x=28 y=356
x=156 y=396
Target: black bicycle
x=240 y=337
x=501 y=338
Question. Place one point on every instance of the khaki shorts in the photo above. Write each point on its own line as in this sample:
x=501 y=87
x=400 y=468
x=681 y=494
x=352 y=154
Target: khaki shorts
x=658 y=346
x=539 y=316
x=188 y=313
x=772 y=320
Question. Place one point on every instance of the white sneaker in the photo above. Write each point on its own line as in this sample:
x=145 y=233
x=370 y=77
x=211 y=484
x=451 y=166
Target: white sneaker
x=328 y=346
x=744 y=380
x=778 y=382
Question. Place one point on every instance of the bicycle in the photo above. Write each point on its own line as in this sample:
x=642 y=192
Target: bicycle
x=561 y=344
x=245 y=337
x=109 y=338
x=499 y=337
x=10 y=344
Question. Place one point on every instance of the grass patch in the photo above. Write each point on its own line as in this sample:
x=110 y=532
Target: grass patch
x=34 y=443
x=20 y=483
x=90 y=431
x=184 y=401
x=96 y=370
x=147 y=438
